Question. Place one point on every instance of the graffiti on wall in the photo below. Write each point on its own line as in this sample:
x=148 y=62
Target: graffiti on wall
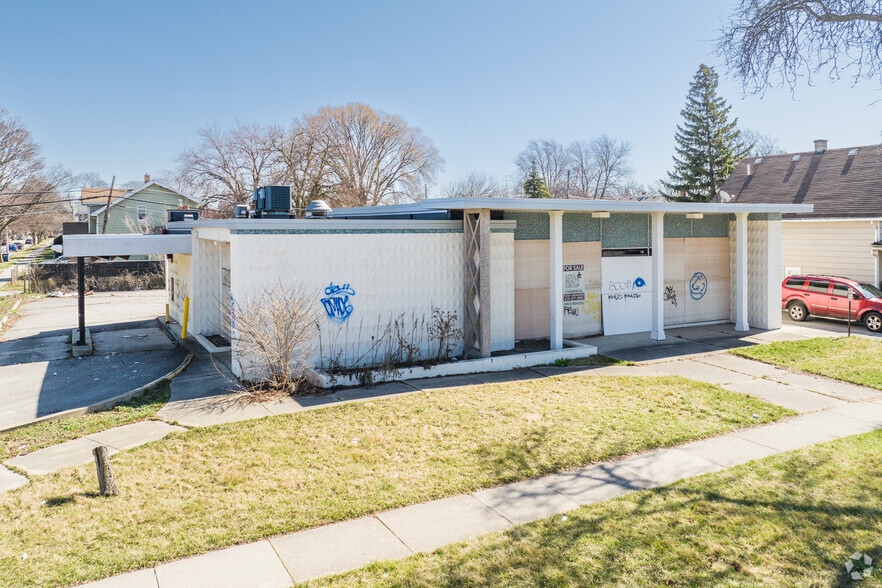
x=697 y=286
x=336 y=302
x=670 y=295
x=591 y=306
x=626 y=285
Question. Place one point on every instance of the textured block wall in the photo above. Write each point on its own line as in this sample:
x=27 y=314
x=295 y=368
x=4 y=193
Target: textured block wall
x=764 y=273
x=206 y=301
x=382 y=278
x=180 y=270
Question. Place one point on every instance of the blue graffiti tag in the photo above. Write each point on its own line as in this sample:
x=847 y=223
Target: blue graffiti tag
x=639 y=283
x=698 y=286
x=336 y=302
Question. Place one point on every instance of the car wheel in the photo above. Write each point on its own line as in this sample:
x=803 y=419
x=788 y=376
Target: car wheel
x=873 y=322
x=798 y=311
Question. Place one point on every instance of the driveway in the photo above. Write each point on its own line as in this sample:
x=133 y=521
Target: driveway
x=38 y=376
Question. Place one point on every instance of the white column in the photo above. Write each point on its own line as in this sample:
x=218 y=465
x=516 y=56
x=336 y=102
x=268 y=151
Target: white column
x=658 y=277
x=741 y=272
x=877 y=270
x=555 y=242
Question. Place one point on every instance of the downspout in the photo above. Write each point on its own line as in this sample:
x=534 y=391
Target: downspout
x=877 y=254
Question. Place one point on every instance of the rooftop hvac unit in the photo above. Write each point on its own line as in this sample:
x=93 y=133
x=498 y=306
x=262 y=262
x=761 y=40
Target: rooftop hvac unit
x=182 y=214
x=272 y=202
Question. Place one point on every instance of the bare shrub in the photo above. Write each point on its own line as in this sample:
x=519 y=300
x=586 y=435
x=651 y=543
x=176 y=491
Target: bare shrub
x=400 y=342
x=274 y=330
x=443 y=329
x=126 y=281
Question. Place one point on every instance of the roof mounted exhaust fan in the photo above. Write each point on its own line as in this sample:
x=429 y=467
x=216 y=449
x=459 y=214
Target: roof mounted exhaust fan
x=318 y=209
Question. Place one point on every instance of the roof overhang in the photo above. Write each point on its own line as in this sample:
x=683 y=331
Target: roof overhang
x=574 y=205
x=119 y=245
x=570 y=205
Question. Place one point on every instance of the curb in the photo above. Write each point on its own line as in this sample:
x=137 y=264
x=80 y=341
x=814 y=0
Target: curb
x=10 y=313
x=105 y=404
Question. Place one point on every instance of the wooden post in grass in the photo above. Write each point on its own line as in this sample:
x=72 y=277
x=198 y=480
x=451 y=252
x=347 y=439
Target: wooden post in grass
x=106 y=483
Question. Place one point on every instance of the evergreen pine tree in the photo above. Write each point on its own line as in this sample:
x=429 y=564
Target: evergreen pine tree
x=708 y=145
x=534 y=186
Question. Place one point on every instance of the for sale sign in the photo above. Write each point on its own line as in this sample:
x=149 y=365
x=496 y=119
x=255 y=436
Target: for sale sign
x=574 y=285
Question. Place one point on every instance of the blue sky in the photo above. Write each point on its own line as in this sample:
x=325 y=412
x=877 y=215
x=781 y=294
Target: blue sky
x=121 y=87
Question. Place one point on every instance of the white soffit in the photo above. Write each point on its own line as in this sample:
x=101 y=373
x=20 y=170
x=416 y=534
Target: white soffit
x=113 y=245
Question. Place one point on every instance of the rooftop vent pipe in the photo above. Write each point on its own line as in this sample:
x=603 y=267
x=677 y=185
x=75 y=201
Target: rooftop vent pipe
x=317 y=209
x=820 y=145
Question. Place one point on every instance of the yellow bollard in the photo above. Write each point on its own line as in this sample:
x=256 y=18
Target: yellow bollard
x=167 y=317
x=186 y=314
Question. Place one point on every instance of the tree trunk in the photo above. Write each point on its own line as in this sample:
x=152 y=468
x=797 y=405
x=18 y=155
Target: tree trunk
x=106 y=483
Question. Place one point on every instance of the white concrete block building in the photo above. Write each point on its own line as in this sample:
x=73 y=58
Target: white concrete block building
x=511 y=269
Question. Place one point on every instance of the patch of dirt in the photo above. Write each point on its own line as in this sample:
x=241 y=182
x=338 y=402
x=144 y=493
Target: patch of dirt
x=218 y=340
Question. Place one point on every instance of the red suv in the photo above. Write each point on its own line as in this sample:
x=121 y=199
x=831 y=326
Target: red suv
x=827 y=296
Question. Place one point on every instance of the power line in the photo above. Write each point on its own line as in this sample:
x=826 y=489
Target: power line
x=130 y=199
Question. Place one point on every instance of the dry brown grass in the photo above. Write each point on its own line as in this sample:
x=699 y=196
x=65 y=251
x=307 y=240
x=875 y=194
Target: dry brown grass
x=208 y=488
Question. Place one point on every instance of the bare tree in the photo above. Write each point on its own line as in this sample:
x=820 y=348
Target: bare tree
x=44 y=203
x=88 y=180
x=474 y=185
x=611 y=162
x=770 y=43
x=301 y=157
x=599 y=167
x=30 y=194
x=375 y=158
x=760 y=144
x=551 y=160
x=22 y=186
x=583 y=169
x=226 y=166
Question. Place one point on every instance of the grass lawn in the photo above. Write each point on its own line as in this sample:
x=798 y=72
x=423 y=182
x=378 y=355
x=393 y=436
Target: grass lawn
x=17 y=255
x=788 y=520
x=6 y=304
x=34 y=437
x=596 y=360
x=852 y=359
x=208 y=488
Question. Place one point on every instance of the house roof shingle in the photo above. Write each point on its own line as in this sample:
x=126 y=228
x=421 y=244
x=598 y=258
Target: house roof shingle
x=839 y=185
x=99 y=195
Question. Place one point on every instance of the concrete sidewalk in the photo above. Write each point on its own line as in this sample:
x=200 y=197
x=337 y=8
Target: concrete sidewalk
x=208 y=394
x=395 y=534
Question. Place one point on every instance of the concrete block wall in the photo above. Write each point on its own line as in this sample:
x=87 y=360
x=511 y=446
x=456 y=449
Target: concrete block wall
x=764 y=273
x=179 y=269
x=206 y=306
x=764 y=268
x=383 y=276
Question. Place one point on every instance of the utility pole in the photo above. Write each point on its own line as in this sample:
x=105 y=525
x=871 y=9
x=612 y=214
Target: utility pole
x=568 y=183
x=107 y=208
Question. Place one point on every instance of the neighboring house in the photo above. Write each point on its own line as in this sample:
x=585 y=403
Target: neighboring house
x=92 y=199
x=842 y=236
x=143 y=209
